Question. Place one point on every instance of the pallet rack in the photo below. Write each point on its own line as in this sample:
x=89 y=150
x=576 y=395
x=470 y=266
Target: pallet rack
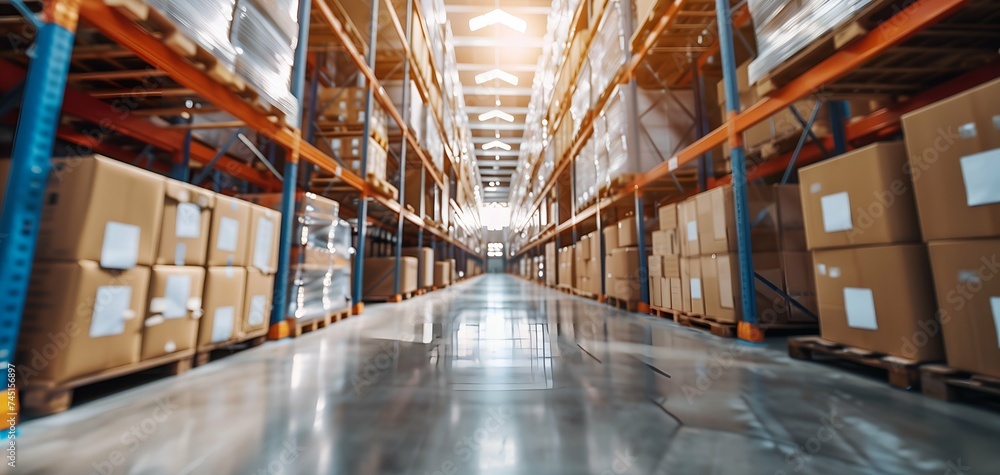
x=136 y=54
x=685 y=35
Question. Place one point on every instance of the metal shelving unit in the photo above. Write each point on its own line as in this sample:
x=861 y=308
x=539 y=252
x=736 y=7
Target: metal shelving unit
x=674 y=35
x=135 y=54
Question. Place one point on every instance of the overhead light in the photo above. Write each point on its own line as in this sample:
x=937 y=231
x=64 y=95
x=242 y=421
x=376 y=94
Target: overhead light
x=496 y=17
x=496 y=144
x=496 y=74
x=497 y=157
x=496 y=114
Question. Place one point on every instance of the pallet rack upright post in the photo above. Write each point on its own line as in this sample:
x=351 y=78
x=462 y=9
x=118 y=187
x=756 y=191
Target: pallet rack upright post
x=402 y=157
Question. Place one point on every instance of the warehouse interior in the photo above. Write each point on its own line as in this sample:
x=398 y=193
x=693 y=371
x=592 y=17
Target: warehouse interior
x=500 y=236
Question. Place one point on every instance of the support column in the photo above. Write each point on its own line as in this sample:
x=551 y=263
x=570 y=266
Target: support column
x=357 y=276
x=640 y=225
x=840 y=112
x=402 y=157
x=748 y=329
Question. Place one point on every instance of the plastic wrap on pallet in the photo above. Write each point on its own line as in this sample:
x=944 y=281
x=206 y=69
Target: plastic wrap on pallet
x=607 y=51
x=265 y=57
x=785 y=27
x=416 y=119
x=206 y=22
x=665 y=125
x=581 y=102
x=284 y=14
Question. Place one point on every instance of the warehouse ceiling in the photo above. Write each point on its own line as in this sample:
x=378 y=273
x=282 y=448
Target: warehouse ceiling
x=495 y=51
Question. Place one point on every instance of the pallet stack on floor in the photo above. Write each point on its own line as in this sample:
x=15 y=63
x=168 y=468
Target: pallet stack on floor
x=623 y=284
x=135 y=271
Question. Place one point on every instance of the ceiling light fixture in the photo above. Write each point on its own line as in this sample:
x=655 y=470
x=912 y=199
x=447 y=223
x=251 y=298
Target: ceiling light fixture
x=496 y=74
x=496 y=144
x=496 y=17
x=496 y=114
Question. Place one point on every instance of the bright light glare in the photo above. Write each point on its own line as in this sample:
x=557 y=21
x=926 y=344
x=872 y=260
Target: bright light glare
x=498 y=16
x=495 y=217
x=496 y=74
x=496 y=114
x=496 y=144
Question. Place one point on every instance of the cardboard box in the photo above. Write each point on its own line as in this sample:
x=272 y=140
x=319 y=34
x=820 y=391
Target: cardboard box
x=551 y=264
x=595 y=246
x=567 y=268
x=954 y=161
x=425 y=265
x=627 y=233
x=101 y=210
x=343 y=104
x=665 y=243
x=227 y=245
x=668 y=217
x=223 y=304
x=723 y=295
x=664 y=293
x=672 y=266
x=80 y=319
x=863 y=197
x=624 y=262
x=797 y=270
x=879 y=298
x=655 y=266
x=442 y=273
x=187 y=218
x=968 y=299
x=717 y=219
x=256 y=315
x=175 y=306
x=692 y=289
x=628 y=289
x=265 y=232
x=687 y=215
x=655 y=295
x=610 y=239
x=380 y=276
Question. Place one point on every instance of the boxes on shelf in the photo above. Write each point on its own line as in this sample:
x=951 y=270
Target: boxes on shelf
x=187 y=219
x=551 y=265
x=256 y=312
x=687 y=216
x=425 y=265
x=954 y=161
x=442 y=273
x=88 y=316
x=380 y=276
x=864 y=197
x=879 y=298
x=207 y=23
x=692 y=290
x=170 y=322
x=267 y=53
x=223 y=305
x=567 y=268
x=342 y=104
x=262 y=247
x=968 y=300
x=228 y=241
x=417 y=119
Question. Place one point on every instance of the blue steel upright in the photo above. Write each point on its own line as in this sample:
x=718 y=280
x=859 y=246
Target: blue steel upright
x=29 y=172
x=748 y=295
x=357 y=276
x=640 y=226
x=290 y=179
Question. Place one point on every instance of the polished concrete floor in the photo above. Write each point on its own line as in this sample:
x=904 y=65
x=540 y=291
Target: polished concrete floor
x=500 y=376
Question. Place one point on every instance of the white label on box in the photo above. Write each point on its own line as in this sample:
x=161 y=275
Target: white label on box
x=967 y=131
x=257 y=305
x=695 y=288
x=120 y=249
x=834 y=272
x=726 y=297
x=982 y=174
x=692 y=230
x=176 y=295
x=860 y=306
x=188 y=221
x=672 y=164
x=815 y=188
x=170 y=347
x=836 y=210
x=996 y=122
x=180 y=253
x=111 y=305
x=821 y=269
x=229 y=235
x=223 y=322
x=995 y=306
x=263 y=244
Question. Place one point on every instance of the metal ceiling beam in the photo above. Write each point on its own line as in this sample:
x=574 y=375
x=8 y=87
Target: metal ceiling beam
x=479 y=42
x=513 y=10
x=510 y=68
x=510 y=110
x=496 y=91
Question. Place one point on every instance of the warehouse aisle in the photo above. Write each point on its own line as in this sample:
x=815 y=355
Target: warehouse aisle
x=500 y=376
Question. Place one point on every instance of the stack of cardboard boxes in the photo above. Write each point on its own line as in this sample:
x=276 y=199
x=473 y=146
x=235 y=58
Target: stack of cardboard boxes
x=587 y=270
x=425 y=265
x=442 y=274
x=665 y=263
x=621 y=242
x=346 y=105
x=131 y=266
x=551 y=265
x=567 y=267
x=871 y=268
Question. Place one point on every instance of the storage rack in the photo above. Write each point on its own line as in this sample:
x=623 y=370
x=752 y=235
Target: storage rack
x=900 y=54
x=131 y=54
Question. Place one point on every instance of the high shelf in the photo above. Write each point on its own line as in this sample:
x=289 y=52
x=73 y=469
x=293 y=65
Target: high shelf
x=674 y=45
x=131 y=96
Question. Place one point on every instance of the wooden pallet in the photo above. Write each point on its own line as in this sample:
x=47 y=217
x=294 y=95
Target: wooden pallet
x=623 y=304
x=208 y=353
x=564 y=289
x=586 y=295
x=950 y=384
x=701 y=322
x=668 y=313
x=298 y=327
x=785 y=329
x=784 y=144
x=822 y=48
x=383 y=186
x=391 y=298
x=901 y=373
x=44 y=398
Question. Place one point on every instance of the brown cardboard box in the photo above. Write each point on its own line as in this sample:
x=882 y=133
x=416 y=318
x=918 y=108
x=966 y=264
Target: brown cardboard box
x=227 y=245
x=171 y=318
x=665 y=243
x=265 y=231
x=380 y=276
x=223 y=304
x=721 y=281
x=628 y=289
x=676 y=294
x=863 y=197
x=692 y=289
x=256 y=314
x=624 y=262
x=655 y=266
x=442 y=273
x=687 y=216
x=954 y=160
x=595 y=246
x=101 y=210
x=551 y=264
x=879 y=298
x=717 y=219
x=425 y=265
x=797 y=269
x=610 y=239
x=655 y=291
x=342 y=104
x=87 y=317
x=567 y=270
x=668 y=217
x=968 y=296
x=664 y=293
x=187 y=217
x=789 y=204
x=672 y=266
x=627 y=235
x=454 y=269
